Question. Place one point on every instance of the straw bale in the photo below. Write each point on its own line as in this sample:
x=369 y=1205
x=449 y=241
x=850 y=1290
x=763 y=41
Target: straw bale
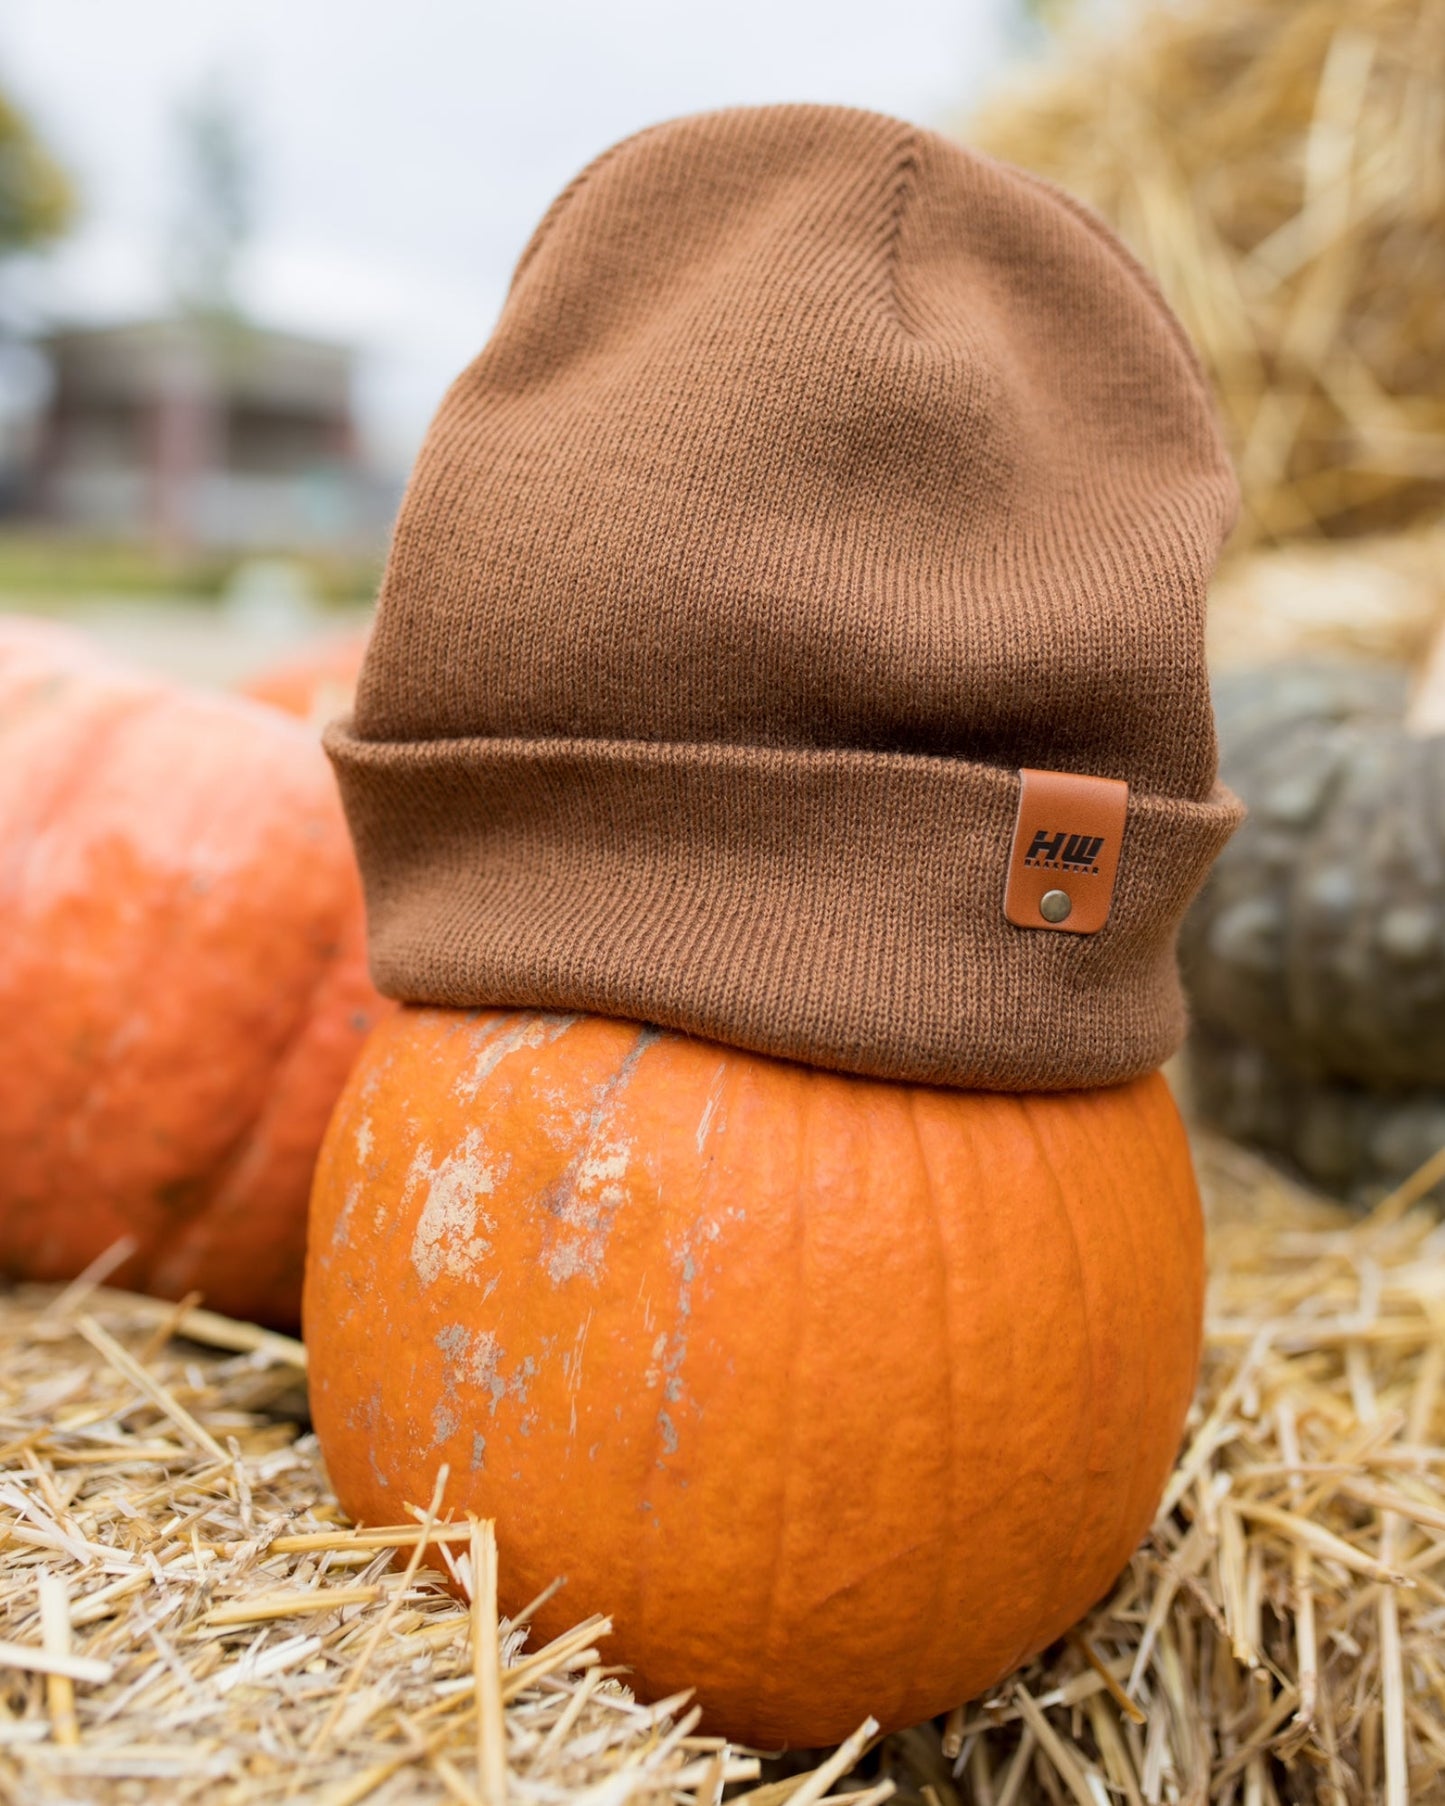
x=206 y=1627
x=1378 y=599
x=1280 y=166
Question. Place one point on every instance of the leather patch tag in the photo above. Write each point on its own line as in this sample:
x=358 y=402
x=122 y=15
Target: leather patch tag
x=1067 y=841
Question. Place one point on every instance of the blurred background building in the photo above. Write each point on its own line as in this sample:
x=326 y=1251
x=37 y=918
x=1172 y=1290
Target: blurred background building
x=244 y=247
x=188 y=430
x=192 y=432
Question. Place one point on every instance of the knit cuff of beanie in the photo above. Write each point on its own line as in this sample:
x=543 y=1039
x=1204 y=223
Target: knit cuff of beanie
x=819 y=478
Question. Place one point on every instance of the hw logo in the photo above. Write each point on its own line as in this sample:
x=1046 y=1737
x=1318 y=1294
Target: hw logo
x=1065 y=852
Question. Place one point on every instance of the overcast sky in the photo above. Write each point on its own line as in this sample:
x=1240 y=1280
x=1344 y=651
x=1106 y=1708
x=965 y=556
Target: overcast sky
x=404 y=148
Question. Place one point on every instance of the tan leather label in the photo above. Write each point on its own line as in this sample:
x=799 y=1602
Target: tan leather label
x=1067 y=841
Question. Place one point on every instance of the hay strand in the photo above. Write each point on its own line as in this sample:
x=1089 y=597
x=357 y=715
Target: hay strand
x=486 y=1667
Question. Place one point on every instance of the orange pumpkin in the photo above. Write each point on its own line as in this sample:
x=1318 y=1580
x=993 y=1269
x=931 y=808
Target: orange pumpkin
x=316 y=683
x=182 y=976
x=841 y=1396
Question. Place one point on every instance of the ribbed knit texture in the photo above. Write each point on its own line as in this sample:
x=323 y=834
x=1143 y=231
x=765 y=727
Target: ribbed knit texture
x=819 y=475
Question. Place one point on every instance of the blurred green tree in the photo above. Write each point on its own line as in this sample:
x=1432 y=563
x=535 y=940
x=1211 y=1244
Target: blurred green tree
x=37 y=201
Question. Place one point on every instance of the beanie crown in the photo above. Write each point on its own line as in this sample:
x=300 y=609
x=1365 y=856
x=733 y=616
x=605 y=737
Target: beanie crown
x=819 y=476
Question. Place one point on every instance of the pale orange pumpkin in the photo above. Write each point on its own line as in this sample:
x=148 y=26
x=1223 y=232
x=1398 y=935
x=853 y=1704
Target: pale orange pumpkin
x=840 y=1396
x=183 y=976
x=315 y=683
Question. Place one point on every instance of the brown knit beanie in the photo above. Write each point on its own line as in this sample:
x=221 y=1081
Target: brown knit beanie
x=824 y=488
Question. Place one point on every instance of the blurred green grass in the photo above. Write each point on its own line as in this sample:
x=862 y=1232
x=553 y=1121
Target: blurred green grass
x=47 y=572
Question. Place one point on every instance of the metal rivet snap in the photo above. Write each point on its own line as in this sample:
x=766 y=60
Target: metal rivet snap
x=1055 y=906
